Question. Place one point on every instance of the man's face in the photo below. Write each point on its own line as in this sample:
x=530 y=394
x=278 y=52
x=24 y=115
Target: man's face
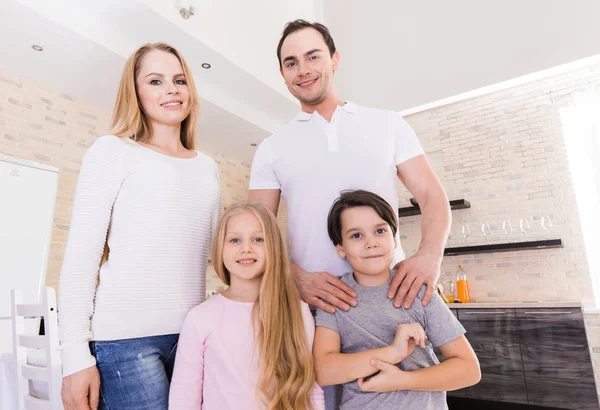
x=307 y=67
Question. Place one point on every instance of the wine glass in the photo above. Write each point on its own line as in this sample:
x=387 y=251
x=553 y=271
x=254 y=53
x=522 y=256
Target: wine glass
x=507 y=228
x=485 y=229
x=524 y=226
x=466 y=232
x=546 y=225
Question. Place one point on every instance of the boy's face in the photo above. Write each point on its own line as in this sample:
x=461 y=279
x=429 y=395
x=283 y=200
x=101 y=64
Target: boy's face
x=367 y=241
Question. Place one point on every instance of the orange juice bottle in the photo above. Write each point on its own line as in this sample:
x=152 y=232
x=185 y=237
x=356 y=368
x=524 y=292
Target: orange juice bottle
x=462 y=285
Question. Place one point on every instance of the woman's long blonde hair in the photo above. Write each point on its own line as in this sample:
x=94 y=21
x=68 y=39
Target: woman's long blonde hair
x=286 y=374
x=129 y=119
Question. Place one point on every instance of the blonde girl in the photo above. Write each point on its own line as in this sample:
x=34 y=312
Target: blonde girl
x=250 y=346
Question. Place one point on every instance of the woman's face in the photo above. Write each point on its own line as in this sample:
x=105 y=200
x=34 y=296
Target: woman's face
x=162 y=88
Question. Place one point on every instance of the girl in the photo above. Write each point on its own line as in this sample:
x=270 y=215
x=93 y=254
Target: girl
x=145 y=209
x=250 y=346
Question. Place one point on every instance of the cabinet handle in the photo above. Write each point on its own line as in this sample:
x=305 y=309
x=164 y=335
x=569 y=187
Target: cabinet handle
x=548 y=312
x=495 y=312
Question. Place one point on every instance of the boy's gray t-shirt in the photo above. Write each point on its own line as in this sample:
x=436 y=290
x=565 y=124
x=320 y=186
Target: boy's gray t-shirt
x=373 y=324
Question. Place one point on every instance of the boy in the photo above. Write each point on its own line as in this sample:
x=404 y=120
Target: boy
x=383 y=355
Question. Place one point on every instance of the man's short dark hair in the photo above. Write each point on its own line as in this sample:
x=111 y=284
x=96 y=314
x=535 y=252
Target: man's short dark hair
x=353 y=199
x=299 y=24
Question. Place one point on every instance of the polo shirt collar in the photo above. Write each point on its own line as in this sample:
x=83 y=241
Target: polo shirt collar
x=306 y=116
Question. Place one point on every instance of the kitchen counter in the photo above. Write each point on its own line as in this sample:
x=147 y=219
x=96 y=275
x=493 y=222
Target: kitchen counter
x=513 y=305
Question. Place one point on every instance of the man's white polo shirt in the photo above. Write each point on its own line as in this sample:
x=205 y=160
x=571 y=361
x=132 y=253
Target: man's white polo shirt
x=311 y=160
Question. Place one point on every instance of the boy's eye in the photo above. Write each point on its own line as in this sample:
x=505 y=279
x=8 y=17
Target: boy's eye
x=355 y=236
x=380 y=231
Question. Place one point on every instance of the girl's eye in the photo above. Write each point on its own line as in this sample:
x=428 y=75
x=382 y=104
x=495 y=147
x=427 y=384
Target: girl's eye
x=155 y=82
x=234 y=240
x=355 y=236
x=180 y=82
x=259 y=240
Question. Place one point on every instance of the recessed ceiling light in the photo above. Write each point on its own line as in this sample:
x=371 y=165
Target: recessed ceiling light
x=206 y=66
x=253 y=144
x=37 y=48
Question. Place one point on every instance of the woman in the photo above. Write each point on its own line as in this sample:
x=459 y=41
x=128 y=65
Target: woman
x=145 y=210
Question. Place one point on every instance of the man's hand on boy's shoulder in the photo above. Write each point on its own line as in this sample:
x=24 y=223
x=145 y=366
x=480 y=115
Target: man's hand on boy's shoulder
x=317 y=288
x=412 y=273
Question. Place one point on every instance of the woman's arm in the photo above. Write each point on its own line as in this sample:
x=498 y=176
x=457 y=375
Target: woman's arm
x=99 y=182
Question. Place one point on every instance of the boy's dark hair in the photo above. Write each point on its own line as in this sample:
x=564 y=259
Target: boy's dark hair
x=353 y=199
x=293 y=26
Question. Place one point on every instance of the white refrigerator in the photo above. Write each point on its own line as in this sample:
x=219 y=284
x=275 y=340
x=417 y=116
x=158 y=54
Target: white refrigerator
x=27 y=199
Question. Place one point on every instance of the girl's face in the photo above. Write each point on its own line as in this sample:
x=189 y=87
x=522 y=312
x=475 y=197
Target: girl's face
x=244 y=252
x=162 y=88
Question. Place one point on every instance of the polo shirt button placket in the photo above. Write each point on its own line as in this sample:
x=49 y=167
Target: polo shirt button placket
x=332 y=135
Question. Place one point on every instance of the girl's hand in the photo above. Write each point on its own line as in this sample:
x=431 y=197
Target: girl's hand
x=388 y=379
x=408 y=336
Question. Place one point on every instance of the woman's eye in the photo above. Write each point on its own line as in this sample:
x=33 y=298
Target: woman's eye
x=155 y=82
x=181 y=82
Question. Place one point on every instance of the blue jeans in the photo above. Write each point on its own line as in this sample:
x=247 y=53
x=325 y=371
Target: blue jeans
x=135 y=373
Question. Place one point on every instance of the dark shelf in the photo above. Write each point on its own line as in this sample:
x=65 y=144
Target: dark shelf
x=416 y=210
x=505 y=247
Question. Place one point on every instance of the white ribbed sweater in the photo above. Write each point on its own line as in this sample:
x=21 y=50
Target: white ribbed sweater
x=159 y=213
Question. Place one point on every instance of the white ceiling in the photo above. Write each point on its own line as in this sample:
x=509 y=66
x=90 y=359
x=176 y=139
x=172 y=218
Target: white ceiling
x=394 y=54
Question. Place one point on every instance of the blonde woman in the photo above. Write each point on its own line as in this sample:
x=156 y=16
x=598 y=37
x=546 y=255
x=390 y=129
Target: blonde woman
x=145 y=210
x=250 y=346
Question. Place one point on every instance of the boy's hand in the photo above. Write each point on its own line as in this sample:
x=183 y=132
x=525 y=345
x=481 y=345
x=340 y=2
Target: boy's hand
x=408 y=336
x=388 y=379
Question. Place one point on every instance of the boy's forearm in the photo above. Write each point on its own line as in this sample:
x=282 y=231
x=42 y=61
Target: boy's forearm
x=338 y=368
x=452 y=374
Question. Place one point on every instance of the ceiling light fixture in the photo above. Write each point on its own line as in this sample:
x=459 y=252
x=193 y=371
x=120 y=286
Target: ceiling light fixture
x=206 y=66
x=37 y=48
x=186 y=12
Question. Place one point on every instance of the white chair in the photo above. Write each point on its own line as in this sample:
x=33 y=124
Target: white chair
x=28 y=372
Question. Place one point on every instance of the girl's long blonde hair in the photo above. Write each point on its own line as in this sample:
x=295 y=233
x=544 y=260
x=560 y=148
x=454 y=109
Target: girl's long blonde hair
x=129 y=119
x=286 y=374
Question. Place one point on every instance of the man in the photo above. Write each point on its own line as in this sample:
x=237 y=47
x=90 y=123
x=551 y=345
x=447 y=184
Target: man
x=332 y=146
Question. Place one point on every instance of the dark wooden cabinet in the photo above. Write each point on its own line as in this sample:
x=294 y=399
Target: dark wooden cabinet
x=494 y=336
x=556 y=358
